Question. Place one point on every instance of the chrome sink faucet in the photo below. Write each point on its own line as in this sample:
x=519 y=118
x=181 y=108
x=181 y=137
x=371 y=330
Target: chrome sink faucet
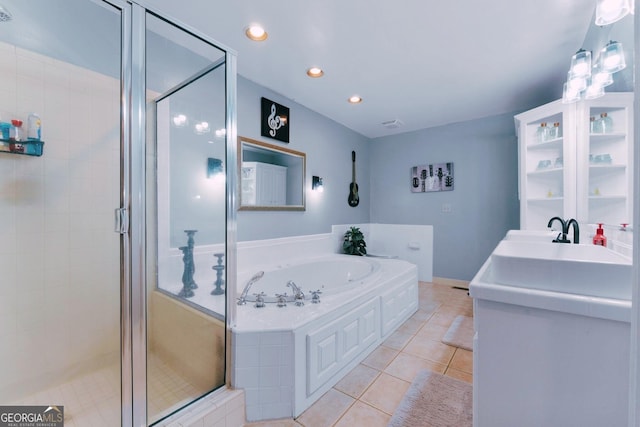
x=243 y=296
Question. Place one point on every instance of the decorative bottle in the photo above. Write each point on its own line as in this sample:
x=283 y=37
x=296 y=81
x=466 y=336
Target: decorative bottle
x=555 y=132
x=592 y=124
x=542 y=133
x=606 y=123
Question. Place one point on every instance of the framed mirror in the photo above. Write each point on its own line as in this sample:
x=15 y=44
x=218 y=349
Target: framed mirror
x=271 y=177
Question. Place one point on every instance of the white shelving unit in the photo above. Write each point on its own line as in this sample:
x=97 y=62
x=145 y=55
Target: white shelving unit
x=580 y=174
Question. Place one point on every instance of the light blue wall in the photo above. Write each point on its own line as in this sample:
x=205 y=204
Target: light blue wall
x=328 y=147
x=484 y=202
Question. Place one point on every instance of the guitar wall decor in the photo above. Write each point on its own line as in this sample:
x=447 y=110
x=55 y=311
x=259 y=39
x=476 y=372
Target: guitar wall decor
x=354 y=199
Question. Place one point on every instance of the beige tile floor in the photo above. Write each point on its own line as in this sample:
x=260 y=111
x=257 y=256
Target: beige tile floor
x=369 y=394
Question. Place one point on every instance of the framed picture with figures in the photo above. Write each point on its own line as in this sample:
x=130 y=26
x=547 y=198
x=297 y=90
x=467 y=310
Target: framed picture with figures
x=432 y=177
x=275 y=120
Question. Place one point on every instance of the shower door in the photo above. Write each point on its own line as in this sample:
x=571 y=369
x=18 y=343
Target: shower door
x=60 y=260
x=186 y=121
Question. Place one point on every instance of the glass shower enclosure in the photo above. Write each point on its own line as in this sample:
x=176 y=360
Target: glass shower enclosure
x=112 y=322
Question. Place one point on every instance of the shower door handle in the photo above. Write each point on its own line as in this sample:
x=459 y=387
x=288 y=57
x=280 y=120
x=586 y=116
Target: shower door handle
x=122 y=221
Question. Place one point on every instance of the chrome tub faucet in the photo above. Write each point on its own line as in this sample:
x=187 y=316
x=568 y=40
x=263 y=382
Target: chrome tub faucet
x=298 y=295
x=243 y=296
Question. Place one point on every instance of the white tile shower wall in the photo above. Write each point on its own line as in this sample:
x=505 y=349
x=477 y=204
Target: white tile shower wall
x=59 y=256
x=264 y=368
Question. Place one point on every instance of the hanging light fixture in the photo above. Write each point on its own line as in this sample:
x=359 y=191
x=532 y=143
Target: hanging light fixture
x=610 y=11
x=612 y=57
x=580 y=64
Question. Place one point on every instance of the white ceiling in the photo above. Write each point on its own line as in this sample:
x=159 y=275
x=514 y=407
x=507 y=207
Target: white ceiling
x=423 y=63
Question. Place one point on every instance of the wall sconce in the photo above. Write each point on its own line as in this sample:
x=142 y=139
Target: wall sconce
x=214 y=167
x=316 y=183
x=587 y=82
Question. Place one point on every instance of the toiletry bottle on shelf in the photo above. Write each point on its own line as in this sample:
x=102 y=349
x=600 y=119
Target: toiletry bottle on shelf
x=592 y=124
x=34 y=127
x=600 y=239
x=15 y=133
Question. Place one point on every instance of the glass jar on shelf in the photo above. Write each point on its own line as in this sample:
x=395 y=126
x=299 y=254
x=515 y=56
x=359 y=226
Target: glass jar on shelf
x=542 y=134
x=597 y=125
x=606 y=123
x=555 y=132
x=592 y=124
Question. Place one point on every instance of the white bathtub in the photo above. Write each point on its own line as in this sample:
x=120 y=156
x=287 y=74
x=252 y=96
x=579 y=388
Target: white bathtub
x=285 y=358
x=328 y=274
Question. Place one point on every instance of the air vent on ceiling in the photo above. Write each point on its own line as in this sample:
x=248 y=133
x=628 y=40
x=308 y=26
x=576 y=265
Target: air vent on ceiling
x=392 y=124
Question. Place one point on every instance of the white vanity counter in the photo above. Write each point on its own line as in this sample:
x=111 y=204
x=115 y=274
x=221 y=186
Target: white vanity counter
x=547 y=357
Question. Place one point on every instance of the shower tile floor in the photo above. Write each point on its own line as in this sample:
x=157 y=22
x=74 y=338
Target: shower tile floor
x=93 y=399
x=370 y=393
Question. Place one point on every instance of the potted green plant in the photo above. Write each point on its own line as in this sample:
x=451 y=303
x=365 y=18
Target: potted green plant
x=354 y=243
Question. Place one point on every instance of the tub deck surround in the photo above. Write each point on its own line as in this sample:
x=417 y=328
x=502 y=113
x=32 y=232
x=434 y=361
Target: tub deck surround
x=536 y=348
x=285 y=358
x=413 y=243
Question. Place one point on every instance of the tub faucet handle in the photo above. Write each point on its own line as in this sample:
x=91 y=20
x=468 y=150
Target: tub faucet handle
x=282 y=300
x=259 y=300
x=315 y=297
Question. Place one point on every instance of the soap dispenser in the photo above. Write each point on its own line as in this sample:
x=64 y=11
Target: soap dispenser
x=600 y=239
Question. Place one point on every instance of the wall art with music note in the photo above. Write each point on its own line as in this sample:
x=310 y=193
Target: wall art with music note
x=275 y=120
x=434 y=177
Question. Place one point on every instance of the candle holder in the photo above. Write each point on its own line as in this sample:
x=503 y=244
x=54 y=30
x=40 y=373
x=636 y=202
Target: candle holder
x=219 y=281
x=190 y=245
x=187 y=273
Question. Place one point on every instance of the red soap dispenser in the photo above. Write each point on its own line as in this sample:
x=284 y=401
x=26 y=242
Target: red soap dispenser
x=600 y=238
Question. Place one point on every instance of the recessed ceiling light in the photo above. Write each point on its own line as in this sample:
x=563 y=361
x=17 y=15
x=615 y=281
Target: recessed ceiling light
x=355 y=99
x=256 y=33
x=315 y=72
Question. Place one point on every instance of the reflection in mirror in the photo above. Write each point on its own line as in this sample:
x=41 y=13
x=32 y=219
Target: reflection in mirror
x=186 y=223
x=271 y=177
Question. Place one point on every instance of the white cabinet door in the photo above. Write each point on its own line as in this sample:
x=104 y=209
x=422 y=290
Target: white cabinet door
x=264 y=184
x=578 y=174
